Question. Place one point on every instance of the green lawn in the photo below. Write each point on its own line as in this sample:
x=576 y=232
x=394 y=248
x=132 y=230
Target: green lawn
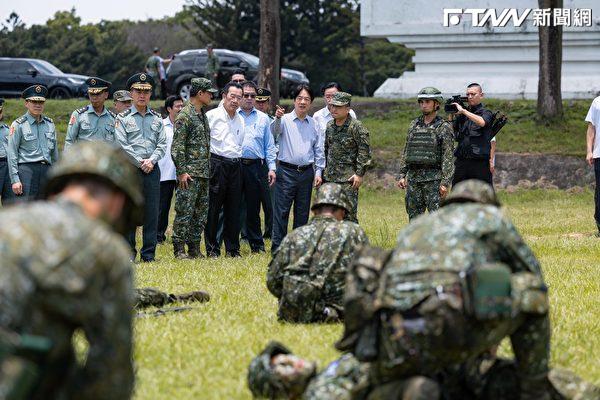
x=204 y=353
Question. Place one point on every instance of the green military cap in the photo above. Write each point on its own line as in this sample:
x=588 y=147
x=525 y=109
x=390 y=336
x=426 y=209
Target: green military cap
x=140 y=81
x=430 y=93
x=472 y=190
x=209 y=46
x=104 y=161
x=331 y=194
x=122 y=95
x=35 y=93
x=262 y=94
x=156 y=49
x=262 y=382
x=341 y=99
x=204 y=85
x=97 y=85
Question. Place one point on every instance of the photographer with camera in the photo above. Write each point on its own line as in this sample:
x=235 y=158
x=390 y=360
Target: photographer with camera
x=472 y=131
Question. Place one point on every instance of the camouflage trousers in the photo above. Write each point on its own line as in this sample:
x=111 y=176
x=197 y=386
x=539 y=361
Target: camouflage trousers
x=421 y=196
x=151 y=297
x=353 y=198
x=191 y=211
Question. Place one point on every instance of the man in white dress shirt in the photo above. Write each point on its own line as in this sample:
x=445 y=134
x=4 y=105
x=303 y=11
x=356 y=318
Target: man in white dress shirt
x=323 y=116
x=168 y=178
x=225 y=185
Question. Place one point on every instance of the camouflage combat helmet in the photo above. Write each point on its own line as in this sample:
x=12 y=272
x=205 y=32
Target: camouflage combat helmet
x=103 y=161
x=472 y=190
x=261 y=379
x=331 y=194
x=430 y=93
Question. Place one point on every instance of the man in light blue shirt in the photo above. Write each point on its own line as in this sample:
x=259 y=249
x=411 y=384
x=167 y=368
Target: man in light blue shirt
x=301 y=162
x=258 y=164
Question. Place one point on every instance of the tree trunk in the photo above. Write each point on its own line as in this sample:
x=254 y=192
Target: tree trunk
x=549 y=104
x=270 y=48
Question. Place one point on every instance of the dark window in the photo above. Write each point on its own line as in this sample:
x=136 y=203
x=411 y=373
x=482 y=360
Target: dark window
x=228 y=61
x=6 y=66
x=200 y=62
x=20 y=67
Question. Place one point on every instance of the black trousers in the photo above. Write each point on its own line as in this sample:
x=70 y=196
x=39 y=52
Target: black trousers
x=255 y=191
x=472 y=168
x=225 y=188
x=266 y=202
x=164 y=206
x=33 y=177
x=151 y=191
x=5 y=185
x=597 y=192
x=291 y=187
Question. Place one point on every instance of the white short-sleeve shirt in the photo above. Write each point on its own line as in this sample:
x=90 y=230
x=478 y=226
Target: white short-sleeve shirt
x=593 y=117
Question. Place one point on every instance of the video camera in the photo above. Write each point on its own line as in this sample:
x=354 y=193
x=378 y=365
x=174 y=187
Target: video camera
x=451 y=108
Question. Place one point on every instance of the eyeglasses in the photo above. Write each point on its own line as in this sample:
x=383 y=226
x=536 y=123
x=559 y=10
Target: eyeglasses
x=249 y=96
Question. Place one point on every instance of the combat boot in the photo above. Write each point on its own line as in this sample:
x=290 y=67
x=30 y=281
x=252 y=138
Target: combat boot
x=194 y=250
x=179 y=251
x=198 y=296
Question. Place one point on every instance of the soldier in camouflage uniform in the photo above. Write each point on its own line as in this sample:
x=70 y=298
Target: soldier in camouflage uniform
x=347 y=151
x=427 y=163
x=457 y=283
x=94 y=121
x=308 y=270
x=191 y=153
x=32 y=146
x=65 y=268
x=212 y=65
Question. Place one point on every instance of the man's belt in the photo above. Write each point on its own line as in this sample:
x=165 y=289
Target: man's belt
x=298 y=168
x=251 y=161
x=43 y=162
x=217 y=157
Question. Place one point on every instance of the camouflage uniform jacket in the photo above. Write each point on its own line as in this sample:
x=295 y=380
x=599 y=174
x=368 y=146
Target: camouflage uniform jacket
x=430 y=257
x=191 y=142
x=445 y=138
x=56 y=276
x=317 y=254
x=347 y=150
x=212 y=65
x=342 y=379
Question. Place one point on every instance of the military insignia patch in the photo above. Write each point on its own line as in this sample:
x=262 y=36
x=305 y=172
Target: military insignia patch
x=72 y=120
x=12 y=130
x=92 y=81
x=142 y=77
x=260 y=92
x=117 y=123
x=38 y=89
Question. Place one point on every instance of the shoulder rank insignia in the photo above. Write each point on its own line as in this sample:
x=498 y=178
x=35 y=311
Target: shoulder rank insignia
x=21 y=119
x=81 y=110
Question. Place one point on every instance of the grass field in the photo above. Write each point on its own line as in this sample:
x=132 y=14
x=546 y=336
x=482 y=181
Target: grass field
x=204 y=353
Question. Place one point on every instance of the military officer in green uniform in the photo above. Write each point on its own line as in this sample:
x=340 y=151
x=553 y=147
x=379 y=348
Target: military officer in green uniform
x=190 y=152
x=212 y=65
x=65 y=268
x=263 y=101
x=32 y=146
x=347 y=150
x=94 y=121
x=5 y=186
x=122 y=100
x=427 y=163
x=140 y=132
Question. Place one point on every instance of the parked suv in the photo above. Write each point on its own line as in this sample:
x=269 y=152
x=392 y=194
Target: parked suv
x=191 y=63
x=16 y=74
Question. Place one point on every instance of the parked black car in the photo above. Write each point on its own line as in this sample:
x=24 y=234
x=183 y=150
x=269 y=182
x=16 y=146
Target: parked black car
x=190 y=63
x=16 y=74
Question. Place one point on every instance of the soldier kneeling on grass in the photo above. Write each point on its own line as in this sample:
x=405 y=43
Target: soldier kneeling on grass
x=308 y=270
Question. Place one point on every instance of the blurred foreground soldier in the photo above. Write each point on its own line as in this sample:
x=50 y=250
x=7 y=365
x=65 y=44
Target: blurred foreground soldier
x=151 y=297
x=593 y=153
x=347 y=151
x=457 y=283
x=212 y=65
x=276 y=373
x=426 y=166
x=307 y=272
x=5 y=186
x=323 y=116
x=122 y=99
x=94 y=121
x=190 y=152
x=32 y=146
x=65 y=269
x=140 y=132
x=472 y=131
